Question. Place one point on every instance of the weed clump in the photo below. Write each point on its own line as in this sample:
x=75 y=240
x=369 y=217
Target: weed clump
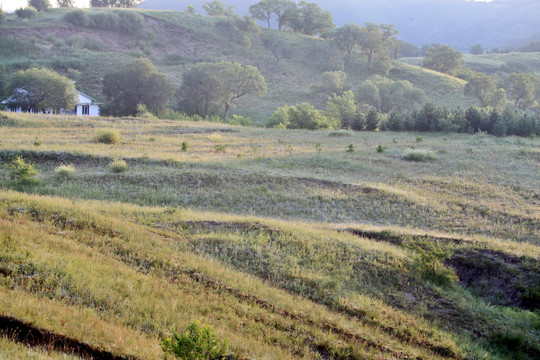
x=197 y=343
x=340 y=133
x=22 y=172
x=108 y=136
x=429 y=263
x=65 y=171
x=118 y=166
x=419 y=155
x=380 y=149
x=350 y=149
x=185 y=146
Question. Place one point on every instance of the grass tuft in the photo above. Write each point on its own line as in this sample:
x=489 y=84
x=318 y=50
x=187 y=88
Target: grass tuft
x=118 y=166
x=419 y=155
x=108 y=136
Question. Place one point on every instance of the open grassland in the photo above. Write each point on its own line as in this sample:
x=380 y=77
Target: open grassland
x=492 y=63
x=285 y=242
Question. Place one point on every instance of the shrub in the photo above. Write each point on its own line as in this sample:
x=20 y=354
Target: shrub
x=197 y=343
x=2 y=16
x=419 y=155
x=28 y=12
x=118 y=165
x=22 y=172
x=380 y=149
x=429 y=263
x=104 y=20
x=108 y=136
x=185 y=146
x=77 y=18
x=65 y=170
x=131 y=23
x=350 y=148
x=40 y=5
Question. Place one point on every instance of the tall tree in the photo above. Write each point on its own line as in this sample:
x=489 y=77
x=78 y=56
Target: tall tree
x=263 y=10
x=443 y=59
x=281 y=8
x=206 y=85
x=136 y=83
x=477 y=49
x=375 y=41
x=347 y=37
x=484 y=88
x=217 y=8
x=41 y=90
x=308 y=18
x=39 y=5
x=520 y=88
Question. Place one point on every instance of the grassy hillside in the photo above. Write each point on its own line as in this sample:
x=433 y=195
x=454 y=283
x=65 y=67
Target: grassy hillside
x=175 y=40
x=287 y=244
x=493 y=63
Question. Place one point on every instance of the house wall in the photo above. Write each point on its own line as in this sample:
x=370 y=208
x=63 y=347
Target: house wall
x=94 y=110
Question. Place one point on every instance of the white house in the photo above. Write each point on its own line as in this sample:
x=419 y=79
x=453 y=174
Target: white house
x=86 y=106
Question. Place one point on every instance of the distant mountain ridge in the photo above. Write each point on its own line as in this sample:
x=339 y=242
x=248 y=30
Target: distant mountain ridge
x=459 y=23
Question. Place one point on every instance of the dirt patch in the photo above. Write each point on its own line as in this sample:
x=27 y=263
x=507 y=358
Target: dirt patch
x=499 y=278
x=32 y=336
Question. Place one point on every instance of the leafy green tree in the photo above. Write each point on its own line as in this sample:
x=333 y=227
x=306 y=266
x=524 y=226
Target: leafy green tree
x=331 y=83
x=484 y=88
x=308 y=18
x=521 y=88
x=190 y=9
x=342 y=111
x=115 y=3
x=197 y=343
x=347 y=37
x=408 y=50
x=263 y=10
x=375 y=42
x=136 y=83
x=305 y=116
x=281 y=9
x=217 y=8
x=39 y=5
x=443 y=59
x=205 y=85
x=477 y=49
x=386 y=95
x=41 y=90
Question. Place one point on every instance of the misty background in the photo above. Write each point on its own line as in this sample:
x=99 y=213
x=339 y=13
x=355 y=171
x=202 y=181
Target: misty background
x=458 y=23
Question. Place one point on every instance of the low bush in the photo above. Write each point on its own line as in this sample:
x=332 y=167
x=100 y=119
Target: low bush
x=28 y=12
x=196 y=343
x=419 y=155
x=118 y=166
x=104 y=20
x=108 y=136
x=65 y=171
x=77 y=18
x=429 y=263
x=22 y=172
x=131 y=23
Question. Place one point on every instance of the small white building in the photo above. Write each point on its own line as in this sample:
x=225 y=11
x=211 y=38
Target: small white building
x=86 y=106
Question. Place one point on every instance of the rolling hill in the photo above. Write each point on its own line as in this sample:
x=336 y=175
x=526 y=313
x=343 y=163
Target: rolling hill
x=175 y=40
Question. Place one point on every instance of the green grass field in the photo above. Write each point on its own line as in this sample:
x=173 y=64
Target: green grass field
x=283 y=241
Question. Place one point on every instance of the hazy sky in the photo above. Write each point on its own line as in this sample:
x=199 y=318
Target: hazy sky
x=15 y=4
